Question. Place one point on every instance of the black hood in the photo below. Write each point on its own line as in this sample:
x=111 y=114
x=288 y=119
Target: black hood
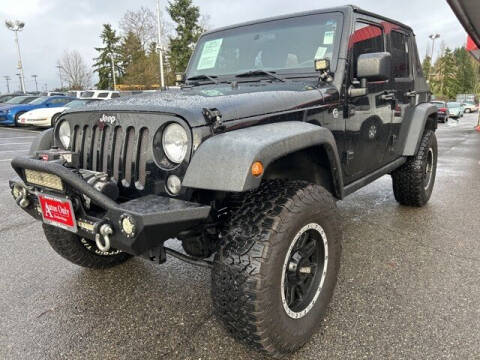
x=247 y=100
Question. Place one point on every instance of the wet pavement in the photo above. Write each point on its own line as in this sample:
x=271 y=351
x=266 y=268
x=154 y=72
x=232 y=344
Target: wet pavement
x=409 y=286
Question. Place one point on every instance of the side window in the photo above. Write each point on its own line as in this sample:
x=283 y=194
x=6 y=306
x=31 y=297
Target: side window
x=115 y=95
x=400 y=56
x=103 y=95
x=366 y=39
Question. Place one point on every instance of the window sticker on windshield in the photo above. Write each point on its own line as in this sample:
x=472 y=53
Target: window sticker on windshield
x=321 y=51
x=209 y=56
x=328 y=37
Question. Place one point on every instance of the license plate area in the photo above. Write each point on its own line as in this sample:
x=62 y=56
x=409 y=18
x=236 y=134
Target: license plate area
x=58 y=212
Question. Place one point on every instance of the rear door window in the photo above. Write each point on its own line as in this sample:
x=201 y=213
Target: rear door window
x=400 y=54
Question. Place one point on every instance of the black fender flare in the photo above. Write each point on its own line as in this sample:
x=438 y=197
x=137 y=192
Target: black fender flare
x=223 y=162
x=44 y=141
x=413 y=127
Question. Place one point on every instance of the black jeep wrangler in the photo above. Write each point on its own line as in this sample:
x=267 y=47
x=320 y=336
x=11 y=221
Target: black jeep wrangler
x=274 y=122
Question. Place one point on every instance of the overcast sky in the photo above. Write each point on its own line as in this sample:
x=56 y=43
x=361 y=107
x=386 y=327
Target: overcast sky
x=53 y=26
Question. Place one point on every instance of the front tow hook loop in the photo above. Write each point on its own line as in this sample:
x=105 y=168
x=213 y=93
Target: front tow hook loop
x=102 y=239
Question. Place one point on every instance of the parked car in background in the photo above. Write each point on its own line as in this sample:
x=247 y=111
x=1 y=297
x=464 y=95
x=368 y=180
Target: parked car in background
x=53 y=93
x=99 y=94
x=19 y=99
x=10 y=113
x=47 y=117
x=443 y=113
x=75 y=93
x=22 y=99
x=6 y=97
x=470 y=107
x=455 y=109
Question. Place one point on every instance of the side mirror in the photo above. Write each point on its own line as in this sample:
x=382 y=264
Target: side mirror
x=180 y=78
x=374 y=66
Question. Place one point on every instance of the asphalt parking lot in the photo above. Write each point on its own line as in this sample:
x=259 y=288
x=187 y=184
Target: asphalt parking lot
x=409 y=285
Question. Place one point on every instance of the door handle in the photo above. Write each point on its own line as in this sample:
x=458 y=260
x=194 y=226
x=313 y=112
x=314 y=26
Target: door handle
x=389 y=96
x=411 y=94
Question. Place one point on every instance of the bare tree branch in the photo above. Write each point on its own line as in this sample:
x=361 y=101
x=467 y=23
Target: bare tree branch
x=143 y=23
x=74 y=70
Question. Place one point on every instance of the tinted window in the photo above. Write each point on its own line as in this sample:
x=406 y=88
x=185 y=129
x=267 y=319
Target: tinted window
x=115 y=95
x=87 y=94
x=400 y=58
x=366 y=39
x=40 y=100
x=103 y=95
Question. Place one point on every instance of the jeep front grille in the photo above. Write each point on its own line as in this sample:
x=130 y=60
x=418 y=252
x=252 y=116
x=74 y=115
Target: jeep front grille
x=121 y=153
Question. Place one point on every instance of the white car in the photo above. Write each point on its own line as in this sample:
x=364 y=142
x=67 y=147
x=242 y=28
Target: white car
x=99 y=94
x=46 y=117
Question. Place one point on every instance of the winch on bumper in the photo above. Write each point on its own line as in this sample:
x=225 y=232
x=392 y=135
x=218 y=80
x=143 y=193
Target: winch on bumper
x=137 y=227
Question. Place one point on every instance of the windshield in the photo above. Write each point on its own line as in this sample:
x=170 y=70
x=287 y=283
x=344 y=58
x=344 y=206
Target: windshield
x=40 y=100
x=283 y=46
x=21 y=99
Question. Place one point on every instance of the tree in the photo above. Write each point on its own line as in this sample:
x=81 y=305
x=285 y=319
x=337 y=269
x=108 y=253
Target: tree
x=186 y=16
x=445 y=82
x=143 y=23
x=74 y=70
x=427 y=67
x=465 y=71
x=103 y=63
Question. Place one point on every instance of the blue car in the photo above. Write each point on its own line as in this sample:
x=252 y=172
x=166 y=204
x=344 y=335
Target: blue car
x=10 y=113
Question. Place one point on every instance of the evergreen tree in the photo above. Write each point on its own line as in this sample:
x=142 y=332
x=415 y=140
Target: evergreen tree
x=445 y=82
x=186 y=16
x=103 y=63
x=427 y=67
x=465 y=71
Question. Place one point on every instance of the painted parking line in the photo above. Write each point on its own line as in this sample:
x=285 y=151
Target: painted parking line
x=24 y=143
x=9 y=151
x=19 y=130
x=18 y=137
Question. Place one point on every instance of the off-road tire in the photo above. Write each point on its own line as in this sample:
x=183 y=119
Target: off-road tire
x=80 y=251
x=409 y=185
x=247 y=272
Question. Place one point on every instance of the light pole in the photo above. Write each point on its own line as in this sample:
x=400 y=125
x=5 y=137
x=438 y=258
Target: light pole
x=36 y=85
x=159 y=47
x=113 y=72
x=433 y=37
x=59 y=67
x=7 y=79
x=17 y=26
x=20 y=81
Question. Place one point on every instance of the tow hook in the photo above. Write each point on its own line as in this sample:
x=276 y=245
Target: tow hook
x=102 y=238
x=20 y=195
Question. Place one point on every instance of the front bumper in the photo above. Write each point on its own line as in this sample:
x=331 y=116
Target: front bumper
x=155 y=218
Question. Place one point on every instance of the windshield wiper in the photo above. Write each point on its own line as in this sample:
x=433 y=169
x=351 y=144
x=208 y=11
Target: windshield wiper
x=203 y=77
x=260 y=72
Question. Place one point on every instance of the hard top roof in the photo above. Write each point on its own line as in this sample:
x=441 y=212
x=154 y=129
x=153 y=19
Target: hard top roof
x=343 y=9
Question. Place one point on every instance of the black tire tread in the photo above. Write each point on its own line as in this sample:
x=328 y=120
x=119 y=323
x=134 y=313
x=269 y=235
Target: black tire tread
x=407 y=180
x=69 y=246
x=236 y=277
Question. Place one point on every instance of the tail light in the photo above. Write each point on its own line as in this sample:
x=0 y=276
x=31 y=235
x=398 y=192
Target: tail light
x=443 y=109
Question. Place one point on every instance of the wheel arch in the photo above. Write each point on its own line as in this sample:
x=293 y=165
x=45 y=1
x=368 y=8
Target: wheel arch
x=416 y=121
x=223 y=162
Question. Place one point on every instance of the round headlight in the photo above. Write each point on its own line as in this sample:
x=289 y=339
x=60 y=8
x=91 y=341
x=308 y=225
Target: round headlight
x=175 y=143
x=64 y=134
